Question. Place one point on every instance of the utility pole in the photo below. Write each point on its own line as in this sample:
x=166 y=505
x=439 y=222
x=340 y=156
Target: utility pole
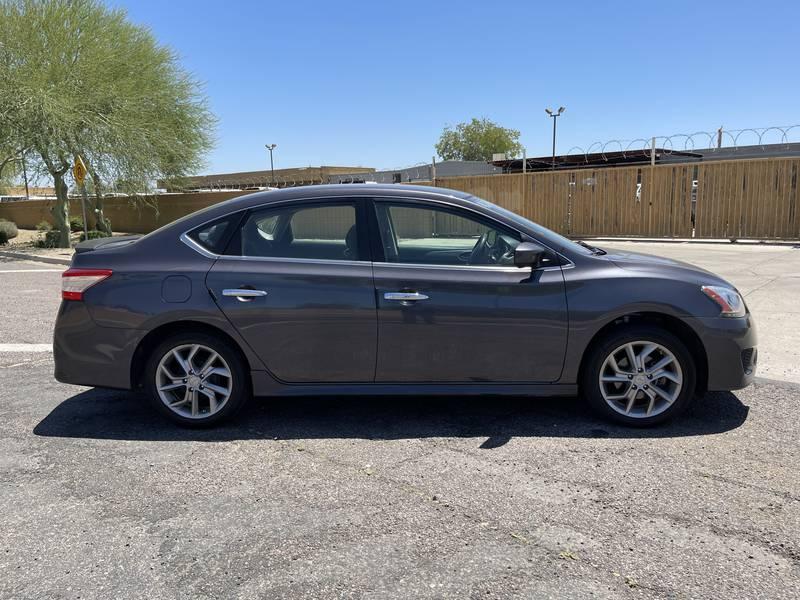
x=79 y=173
x=271 y=147
x=555 y=116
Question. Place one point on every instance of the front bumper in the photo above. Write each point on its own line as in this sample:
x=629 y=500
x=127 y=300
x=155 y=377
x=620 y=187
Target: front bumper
x=86 y=354
x=731 y=348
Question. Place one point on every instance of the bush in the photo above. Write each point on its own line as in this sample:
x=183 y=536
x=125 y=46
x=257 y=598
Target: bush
x=75 y=224
x=8 y=230
x=44 y=226
x=50 y=239
x=94 y=234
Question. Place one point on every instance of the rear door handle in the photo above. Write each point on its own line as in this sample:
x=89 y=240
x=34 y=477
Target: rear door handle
x=243 y=294
x=404 y=296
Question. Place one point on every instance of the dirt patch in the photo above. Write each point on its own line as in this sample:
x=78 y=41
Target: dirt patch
x=27 y=238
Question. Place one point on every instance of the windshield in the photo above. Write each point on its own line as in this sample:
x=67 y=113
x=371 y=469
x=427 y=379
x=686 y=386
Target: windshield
x=558 y=241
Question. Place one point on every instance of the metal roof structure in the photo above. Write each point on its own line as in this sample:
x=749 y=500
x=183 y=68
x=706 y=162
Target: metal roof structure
x=642 y=156
x=421 y=172
x=291 y=177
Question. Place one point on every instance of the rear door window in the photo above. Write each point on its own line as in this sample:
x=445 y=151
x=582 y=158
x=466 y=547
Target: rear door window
x=316 y=232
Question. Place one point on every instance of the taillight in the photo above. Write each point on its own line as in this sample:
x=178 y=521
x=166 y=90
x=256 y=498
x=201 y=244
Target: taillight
x=76 y=281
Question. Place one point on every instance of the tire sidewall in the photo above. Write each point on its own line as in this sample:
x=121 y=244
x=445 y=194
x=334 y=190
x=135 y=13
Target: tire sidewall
x=240 y=382
x=590 y=387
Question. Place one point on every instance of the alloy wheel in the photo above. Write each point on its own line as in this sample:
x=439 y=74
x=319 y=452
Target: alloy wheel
x=641 y=379
x=193 y=381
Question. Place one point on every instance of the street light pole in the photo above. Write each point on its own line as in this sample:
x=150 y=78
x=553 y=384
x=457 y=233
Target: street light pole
x=271 y=147
x=555 y=116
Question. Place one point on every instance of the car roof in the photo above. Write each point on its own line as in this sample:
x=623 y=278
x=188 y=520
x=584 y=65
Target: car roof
x=345 y=189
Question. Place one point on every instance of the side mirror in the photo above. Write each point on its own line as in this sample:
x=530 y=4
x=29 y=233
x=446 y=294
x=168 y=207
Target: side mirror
x=528 y=254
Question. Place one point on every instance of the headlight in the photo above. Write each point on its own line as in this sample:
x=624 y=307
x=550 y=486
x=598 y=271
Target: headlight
x=729 y=301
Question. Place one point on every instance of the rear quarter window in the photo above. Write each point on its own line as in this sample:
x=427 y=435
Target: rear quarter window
x=214 y=236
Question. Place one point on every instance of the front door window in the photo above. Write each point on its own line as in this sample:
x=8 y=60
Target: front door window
x=432 y=236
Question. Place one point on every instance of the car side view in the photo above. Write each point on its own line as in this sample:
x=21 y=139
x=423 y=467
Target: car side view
x=392 y=289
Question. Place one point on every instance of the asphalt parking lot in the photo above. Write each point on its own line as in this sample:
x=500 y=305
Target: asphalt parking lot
x=380 y=498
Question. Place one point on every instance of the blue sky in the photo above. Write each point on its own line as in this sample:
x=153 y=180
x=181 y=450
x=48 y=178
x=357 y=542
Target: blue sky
x=374 y=83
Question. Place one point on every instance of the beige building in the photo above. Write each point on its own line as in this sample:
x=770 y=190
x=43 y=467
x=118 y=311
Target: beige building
x=260 y=179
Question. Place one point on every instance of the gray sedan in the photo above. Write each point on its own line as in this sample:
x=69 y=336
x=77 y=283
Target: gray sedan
x=390 y=289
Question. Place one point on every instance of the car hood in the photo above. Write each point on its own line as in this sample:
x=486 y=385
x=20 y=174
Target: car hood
x=638 y=261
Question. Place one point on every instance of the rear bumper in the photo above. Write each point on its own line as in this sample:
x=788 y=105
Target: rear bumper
x=731 y=349
x=86 y=354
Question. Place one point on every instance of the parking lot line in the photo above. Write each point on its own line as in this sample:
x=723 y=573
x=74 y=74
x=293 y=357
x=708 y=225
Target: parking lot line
x=32 y=271
x=26 y=347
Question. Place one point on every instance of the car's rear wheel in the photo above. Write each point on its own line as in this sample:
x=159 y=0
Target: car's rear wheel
x=196 y=379
x=639 y=375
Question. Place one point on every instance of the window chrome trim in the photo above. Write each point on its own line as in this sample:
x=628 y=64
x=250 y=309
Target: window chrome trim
x=324 y=261
x=302 y=261
x=197 y=247
x=495 y=268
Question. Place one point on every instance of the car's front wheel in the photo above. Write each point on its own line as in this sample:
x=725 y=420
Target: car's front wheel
x=196 y=379
x=639 y=375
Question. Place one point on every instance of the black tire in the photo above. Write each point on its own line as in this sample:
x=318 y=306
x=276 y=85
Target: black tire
x=590 y=384
x=240 y=382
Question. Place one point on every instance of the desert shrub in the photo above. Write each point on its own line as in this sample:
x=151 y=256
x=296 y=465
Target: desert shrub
x=75 y=224
x=94 y=234
x=49 y=240
x=44 y=226
x=8 y=230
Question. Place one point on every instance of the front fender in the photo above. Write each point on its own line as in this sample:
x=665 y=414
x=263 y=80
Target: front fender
x=595 y=302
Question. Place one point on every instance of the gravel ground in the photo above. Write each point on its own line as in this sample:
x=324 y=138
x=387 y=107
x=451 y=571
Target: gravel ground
x=384 y=497
x=376 y=498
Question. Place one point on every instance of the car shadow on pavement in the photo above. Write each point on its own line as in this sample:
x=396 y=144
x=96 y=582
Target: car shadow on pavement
x=108 y=414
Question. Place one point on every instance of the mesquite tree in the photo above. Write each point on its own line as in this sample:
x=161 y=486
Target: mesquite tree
x=478 y=140
x=78 y=78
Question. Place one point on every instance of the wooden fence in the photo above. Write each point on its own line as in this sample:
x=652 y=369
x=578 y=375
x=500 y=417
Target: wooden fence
x=756 y=199
x=130 y=215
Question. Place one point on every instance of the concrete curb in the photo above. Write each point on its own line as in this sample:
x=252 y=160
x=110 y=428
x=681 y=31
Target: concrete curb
x=36 y=257
x=739 y=243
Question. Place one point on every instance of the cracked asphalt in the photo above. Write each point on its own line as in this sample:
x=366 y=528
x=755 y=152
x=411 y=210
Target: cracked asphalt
x=384 y=497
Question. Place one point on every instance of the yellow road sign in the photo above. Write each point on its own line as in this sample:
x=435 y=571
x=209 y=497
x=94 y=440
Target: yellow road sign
x=79 y=170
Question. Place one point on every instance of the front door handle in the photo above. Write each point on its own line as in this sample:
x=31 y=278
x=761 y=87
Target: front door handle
x=244 y=294
x=404 y=296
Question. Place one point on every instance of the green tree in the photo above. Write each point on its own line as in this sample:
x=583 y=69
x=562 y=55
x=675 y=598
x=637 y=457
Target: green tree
x=478 y=140
x=88 y=82
x=8 y=172
x=11 y=150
